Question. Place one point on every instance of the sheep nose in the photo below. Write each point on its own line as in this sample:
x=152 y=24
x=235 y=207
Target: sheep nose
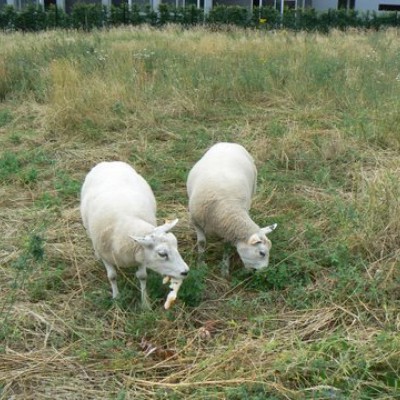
x=262 y=253
x=184 y=273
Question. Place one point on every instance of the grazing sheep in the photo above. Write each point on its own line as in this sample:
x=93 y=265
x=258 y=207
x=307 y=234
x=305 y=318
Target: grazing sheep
x=220 y=187
x=118 y=210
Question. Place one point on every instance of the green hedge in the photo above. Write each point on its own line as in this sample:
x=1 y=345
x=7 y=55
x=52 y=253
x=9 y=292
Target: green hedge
x=89 y=16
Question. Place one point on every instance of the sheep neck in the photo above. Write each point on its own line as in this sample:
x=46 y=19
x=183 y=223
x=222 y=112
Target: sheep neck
x=123 y=244
x=232 y=221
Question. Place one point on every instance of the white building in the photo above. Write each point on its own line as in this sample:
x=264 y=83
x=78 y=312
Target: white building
x=318 y=5
x=357 y=5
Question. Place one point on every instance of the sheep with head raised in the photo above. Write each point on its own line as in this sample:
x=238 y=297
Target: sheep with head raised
x=220 y=187
x=118 y=210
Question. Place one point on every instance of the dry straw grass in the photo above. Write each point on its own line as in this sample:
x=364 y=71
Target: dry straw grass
x=318 y=113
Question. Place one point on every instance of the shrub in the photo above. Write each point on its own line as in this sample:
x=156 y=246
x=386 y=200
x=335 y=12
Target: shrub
x=266 y=17
x=119 y=15
x=94 y=16
x=31 y=19
x=56 y=18
x=192 y=15
x=89 y=16
x=8 y=17
x=234 y=15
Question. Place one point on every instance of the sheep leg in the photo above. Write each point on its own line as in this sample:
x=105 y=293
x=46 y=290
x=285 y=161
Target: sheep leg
x=201 y=240
x=226 y=260
x=112 y=277
x=141 y=274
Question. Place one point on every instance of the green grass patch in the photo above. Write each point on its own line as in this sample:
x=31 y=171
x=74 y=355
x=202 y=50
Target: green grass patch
x=319 y=115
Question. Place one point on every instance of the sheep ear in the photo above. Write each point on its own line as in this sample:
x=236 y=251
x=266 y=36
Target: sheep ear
x=268 y=229
x=165 y=227
x=145 y=241
x=254 y=239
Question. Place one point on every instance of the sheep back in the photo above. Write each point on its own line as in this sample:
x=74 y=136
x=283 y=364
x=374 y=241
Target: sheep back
x=116 y=202
x=220 y=187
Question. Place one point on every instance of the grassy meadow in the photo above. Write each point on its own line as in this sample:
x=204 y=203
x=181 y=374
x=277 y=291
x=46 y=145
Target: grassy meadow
x=321 y=116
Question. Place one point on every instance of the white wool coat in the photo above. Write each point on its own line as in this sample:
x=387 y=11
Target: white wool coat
x=115 y=204
x=220 y=188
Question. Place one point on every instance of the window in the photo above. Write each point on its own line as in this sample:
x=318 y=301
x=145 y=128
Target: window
x=49 y=3
x=348 y=4
x=388 y=7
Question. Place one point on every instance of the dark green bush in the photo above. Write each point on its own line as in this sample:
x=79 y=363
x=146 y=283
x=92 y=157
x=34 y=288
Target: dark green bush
x=96 y=16
x=192 y=15
x=164 y=14
x=31 y=19
x=89 y=16
x=120 y=15
x=56 y=18
x=150 y=16
x=339 y=19
x=307 y=20
x=265 y=18
x=379 y=21
x=136 y=17
x=234 y=15
x=8 y=17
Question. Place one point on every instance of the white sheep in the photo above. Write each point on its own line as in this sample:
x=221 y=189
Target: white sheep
x=118 y=210
x=220 y=187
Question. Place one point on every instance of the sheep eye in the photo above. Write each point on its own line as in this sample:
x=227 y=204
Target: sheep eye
x=262 y=253
x=163 y=254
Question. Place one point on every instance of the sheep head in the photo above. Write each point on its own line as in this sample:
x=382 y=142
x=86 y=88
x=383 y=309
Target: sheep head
x=160 y=252
x=254 y=252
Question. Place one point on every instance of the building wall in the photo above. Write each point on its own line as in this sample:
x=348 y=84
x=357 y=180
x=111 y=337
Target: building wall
x=70 y=3
x=373 y=5
x=323 y=5
x=319 y=5
x=240 y=3
x=360 y=5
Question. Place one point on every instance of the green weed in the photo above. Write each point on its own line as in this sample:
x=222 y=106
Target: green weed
x=10 y=165
x=66 y=187
x=249 y=392
x=5 y=117
x=144 y=324
x=51 y=281
x=48 y=201
x=194 y=286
